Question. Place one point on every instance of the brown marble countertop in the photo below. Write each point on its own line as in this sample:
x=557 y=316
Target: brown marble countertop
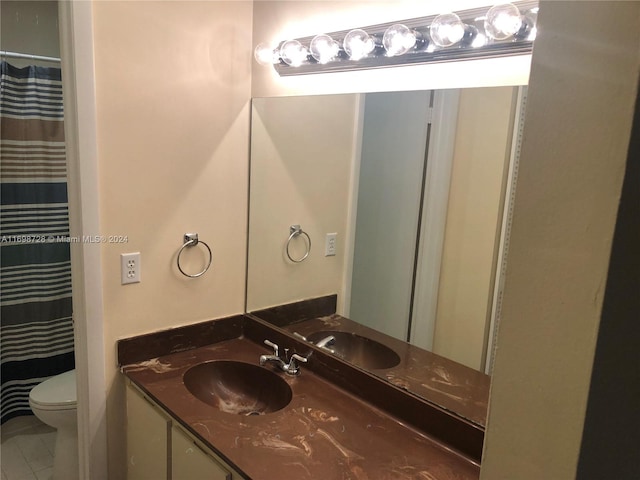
x=324 y=432
x=454 y=387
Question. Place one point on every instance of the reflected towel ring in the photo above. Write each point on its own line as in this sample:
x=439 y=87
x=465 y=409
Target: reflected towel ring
x=191 y=240
x=295 y=231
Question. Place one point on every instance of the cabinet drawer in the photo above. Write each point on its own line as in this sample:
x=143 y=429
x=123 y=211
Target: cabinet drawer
x=191 y=462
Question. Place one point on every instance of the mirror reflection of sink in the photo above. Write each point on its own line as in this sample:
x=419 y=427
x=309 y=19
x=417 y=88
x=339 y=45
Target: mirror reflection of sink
x=357 y=349
x=238 y=387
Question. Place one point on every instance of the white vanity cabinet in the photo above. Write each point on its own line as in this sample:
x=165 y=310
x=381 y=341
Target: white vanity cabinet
x=158 y=448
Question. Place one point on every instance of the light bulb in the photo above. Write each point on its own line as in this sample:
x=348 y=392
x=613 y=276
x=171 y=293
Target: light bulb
x=358 y=44
x=446 y=30
x=530 y=20
x=503 y=21
x=293 y=53
x=266 y=54
x=324 y=48
x=398 y=39
x=479 y=41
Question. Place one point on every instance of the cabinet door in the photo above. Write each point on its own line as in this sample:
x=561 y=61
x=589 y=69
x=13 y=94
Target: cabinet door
x=147 y=438
x=190 y=462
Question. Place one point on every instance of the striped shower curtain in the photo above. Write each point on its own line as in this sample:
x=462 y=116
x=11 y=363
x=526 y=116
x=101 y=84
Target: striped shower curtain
x=35 y=284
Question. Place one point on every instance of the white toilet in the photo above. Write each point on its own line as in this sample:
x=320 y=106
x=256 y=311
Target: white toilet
x=54 y=402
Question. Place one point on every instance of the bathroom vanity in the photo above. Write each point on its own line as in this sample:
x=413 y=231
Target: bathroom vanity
x=312 y=425
x=213 y=397
x=157 y=444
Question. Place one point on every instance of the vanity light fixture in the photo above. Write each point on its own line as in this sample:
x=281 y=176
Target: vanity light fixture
x=502 y=30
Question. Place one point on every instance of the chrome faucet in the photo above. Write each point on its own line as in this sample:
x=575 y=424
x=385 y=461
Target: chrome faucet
x=290 y=366
x=326 y=341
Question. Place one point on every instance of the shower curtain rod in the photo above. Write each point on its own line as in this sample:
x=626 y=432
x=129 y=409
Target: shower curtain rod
x=28 y=56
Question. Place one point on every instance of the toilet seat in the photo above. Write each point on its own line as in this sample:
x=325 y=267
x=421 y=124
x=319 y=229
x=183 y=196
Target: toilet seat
x=55 y=393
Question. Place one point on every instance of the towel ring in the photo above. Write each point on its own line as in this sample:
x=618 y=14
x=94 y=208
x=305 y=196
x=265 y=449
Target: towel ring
x=191 y=240
x=296 y=230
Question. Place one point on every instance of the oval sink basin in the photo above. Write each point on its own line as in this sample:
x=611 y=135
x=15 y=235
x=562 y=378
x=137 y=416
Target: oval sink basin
x=238 y=387
x=358 y=350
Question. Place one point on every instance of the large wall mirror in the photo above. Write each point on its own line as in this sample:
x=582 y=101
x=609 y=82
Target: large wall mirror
x=403 y=198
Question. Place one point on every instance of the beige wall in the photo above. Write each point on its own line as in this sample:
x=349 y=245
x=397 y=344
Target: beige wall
x=301 y=159
x=480 y=161
x=581 y=97
x=279 y=20
x=173 y=129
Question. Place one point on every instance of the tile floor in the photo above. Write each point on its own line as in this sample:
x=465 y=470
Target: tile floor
x=27 y=449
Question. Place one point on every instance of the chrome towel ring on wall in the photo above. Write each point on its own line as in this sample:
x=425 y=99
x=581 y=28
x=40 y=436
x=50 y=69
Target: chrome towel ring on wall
x=191 y=240
x=295 y=231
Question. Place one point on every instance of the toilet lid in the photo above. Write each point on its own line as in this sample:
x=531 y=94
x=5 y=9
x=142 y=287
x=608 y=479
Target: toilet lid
x=59 y=390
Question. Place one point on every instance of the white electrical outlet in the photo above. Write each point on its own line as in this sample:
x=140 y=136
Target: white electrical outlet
x=330 y=244
x=130 y=267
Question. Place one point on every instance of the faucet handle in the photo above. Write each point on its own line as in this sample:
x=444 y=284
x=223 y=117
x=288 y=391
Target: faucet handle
x=299 y=358
x=326 y=342
x=301 y=337
x=274 y=346
x=292 y=367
